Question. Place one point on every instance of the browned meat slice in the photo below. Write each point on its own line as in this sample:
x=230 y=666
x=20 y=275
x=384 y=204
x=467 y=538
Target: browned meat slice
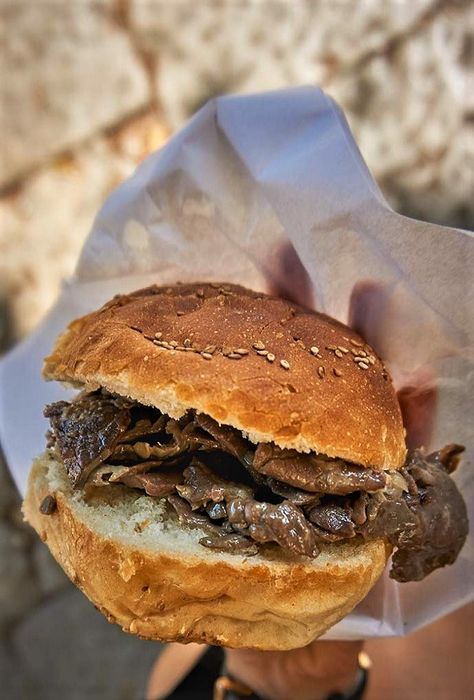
x=234 y=544
x=315 y=473
x=229 y=439
x=359 y=508
x=144 y=450
x=290 y=493
x=448 y=456
x=428 y=529
x=283 y=523
x=144 y=427
x=157 y=484
x=335 y=518
x=191 y=518
x=87 y=430
x=198 y=438
x=202 y=486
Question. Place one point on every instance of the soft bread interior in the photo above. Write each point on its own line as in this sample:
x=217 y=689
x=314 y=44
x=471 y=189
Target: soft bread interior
x=151 y=576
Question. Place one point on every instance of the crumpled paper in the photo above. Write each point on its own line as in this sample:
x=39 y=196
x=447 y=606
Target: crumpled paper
x=270 y=191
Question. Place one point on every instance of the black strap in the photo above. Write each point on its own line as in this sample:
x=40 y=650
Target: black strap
x=356 y=694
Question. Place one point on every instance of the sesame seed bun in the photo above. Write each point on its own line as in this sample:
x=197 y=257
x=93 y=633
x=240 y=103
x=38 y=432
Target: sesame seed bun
x=274 y=370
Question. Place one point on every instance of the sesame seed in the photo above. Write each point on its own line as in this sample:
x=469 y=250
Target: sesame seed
x=300 y=344
x=315 y=350
x=215 y=285
x=206 y=355
x=347 y=339
x=285 y=364
x=371 y=359
x=234 y=356
x=270 y=357
x=331 y=347
x=188 y=349
x=362 y=353
x=145 y=359
x=157 y=342
x=356 y=343
x=173 y=343
x=180 y=313
x=180 y=347
x=321 y=371
x=338 y=353
x=225 y=292
x=359 y=359
x=337 y=372
x=363 y=365
x=241 y=351
x=354 y=352
x=158 y=335
x=210 y=349
x=226 y=351
x=258 y=345
x=262 y=352
x=187 y=342
x=200 y=293
x=342 y=349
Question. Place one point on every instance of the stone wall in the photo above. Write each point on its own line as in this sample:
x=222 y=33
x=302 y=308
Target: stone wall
x=88 y=88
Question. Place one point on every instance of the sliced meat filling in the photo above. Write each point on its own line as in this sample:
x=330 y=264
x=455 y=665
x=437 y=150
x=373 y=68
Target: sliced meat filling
x=283 y=523
x=428 y=528
x=244 y=496
x=315 y=473
x=87 y=430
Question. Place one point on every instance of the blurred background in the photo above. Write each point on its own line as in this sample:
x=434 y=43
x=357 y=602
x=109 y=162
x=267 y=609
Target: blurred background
x=88 y=89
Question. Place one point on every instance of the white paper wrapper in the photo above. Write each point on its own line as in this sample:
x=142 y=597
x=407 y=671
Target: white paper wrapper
x=270 y=191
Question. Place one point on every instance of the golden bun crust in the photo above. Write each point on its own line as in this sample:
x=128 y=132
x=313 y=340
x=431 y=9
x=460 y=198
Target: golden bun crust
x=156 y=581
x=330 y=404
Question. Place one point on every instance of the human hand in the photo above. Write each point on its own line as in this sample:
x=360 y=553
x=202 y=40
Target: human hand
x=310 y=673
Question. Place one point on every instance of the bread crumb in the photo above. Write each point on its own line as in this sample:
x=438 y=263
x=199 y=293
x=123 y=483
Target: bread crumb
x=126 y=569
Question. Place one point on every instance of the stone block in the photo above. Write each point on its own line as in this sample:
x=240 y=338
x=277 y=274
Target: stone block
x=68 y=71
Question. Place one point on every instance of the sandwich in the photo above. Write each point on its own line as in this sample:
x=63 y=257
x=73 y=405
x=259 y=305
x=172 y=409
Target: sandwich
x=233 y=469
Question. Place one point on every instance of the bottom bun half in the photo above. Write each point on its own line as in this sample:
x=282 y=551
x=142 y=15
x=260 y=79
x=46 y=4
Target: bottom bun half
x=144 y=571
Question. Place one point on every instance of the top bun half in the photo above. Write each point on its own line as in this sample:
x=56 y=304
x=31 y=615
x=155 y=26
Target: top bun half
x=314 y=396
